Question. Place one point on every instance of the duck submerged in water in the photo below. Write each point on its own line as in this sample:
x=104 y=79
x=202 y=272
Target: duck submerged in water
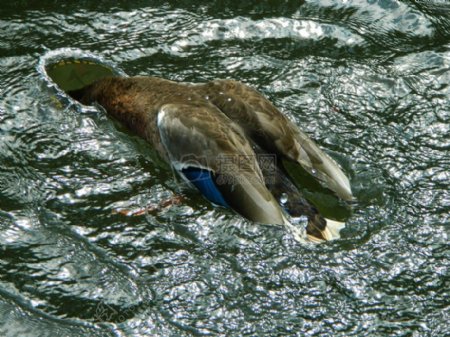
x=228 y=141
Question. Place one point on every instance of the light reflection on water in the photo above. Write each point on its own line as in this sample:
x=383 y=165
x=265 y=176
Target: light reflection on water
x=367 y=80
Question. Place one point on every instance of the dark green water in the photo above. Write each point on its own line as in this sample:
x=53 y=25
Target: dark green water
x=369 y=80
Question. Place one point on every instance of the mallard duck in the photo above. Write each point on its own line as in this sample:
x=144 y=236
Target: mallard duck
x=227 y=140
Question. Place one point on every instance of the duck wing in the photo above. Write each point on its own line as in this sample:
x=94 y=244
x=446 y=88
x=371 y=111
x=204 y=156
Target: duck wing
x=267 y=126
x=211 y=152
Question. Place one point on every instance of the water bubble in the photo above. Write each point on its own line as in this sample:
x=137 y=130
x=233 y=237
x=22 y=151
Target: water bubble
x=284 y=199
x=301 y=220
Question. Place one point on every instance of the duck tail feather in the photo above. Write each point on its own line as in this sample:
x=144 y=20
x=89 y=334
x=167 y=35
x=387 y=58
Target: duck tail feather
x=322 y=229
x=334 y=228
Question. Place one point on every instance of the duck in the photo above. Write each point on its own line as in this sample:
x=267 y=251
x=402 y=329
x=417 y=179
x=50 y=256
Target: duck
x=228 y=141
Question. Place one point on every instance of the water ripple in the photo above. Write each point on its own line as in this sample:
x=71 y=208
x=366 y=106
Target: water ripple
x=367 y=79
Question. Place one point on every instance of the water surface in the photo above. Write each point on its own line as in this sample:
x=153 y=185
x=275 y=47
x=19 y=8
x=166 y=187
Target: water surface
x=368 y=80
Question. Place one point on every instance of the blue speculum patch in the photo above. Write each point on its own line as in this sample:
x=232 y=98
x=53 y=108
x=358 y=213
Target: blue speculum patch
x=203 y=180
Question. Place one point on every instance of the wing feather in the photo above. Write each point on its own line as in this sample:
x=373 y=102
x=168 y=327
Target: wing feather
x=201 y=136
x=267 y=126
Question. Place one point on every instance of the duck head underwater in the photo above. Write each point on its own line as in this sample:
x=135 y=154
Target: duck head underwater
x=224 y=138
